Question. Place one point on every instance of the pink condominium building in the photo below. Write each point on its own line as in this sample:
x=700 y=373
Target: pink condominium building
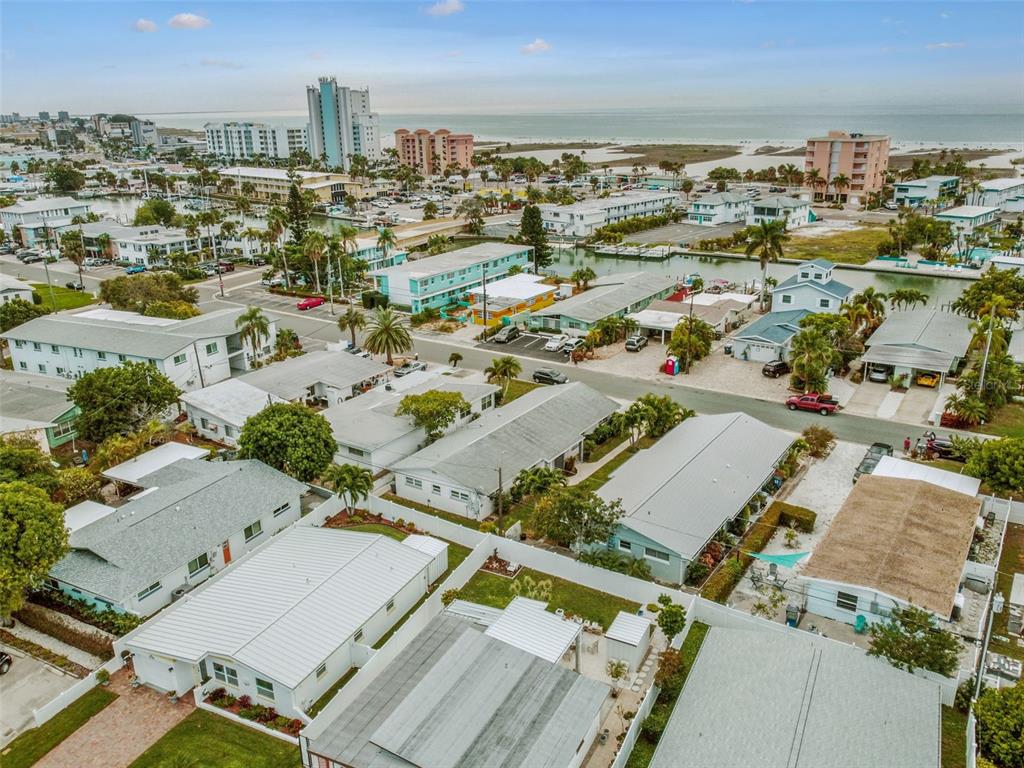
x=862 y=160
x=431 y=153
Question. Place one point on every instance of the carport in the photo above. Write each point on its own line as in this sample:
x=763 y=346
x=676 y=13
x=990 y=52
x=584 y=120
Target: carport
x=653 y=322
x=908 y=361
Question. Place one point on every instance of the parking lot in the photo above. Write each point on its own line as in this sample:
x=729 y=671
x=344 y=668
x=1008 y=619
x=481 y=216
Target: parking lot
x=27 y=685
x=528 y=345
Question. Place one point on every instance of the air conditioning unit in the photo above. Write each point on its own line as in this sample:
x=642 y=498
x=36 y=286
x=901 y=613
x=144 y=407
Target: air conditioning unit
x=179 y=592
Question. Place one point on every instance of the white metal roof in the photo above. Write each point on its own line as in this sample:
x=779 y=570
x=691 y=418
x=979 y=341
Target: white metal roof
x=966 y=212
x=232 y=400
x=526 y=625
x=428 y=545
x=909 y=470
x=151 y=461
x=629 y=628
x=82 y=514
x=521 y=286
x=287 y=606
x=121 y=316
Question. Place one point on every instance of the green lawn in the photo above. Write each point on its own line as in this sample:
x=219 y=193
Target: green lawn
x=206 y=740
x=602 y=450
x=496 y=591
x=456 y=554
x=518 y=388
x=954 y=738
x=601 y=476
x=857 y=247
x=384 y=530
x=66 y=298
x=1008 y=421
x=1011 y=561
x=30 y=746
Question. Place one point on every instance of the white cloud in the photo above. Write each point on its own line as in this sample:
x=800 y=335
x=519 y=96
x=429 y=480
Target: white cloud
x=944 y=46
x=540 y=45
x=446 y=8
x=144 y=25
x=189 y=21
x=222 y=63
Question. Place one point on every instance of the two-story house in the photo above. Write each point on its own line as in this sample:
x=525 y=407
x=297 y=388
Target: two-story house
x=719 y=208
x=812 y=287
x=915 y=192
x=794 y=212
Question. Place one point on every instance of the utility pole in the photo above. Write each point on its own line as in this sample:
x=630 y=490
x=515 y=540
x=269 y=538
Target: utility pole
x=330 y=283
x=501 y=505
x=484 y=282
x=689 y=330
x=49 y=283
x=988 y=346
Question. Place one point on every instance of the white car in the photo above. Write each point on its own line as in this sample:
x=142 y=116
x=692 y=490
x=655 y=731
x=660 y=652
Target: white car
x=556 y=343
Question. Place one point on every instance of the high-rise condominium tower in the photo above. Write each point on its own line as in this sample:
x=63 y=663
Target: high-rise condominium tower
x=341 y=123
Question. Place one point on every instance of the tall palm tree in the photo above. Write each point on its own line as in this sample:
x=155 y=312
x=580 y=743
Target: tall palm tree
x=314 y=245
x=253 y=326
x=454 y=359
x=503 y=369
x=811 y=354
x=436 y=244
x=73 y=249
x=840 y=182
x=906 y=298
x=250 y=234
x=350 y=482
x=766 y=240
x=386 y=241
x=388 y=334
x=582 y=277
x=873 y=301
x=105 y=244
x=277 y=223
x=351 y=320
x=857 y=315
x=812 y=179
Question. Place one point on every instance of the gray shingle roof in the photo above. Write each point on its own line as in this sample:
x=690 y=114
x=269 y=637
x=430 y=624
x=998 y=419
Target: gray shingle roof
x=696 y=478
x=609 y=295
x=832 y=287
x=775 y=327
x=292 y=378
x=541 y=424
x=193 y=507
x=36 y=398
x=459 y=699
x=924 y=329
x=803 y=702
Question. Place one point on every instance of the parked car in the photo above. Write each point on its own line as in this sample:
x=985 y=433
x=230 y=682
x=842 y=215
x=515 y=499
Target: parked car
x=878 y=373
x=358 y=352
x=942 y=447
x=928 y=379
x=92 y=261
x=6 y=249
x=572 y=345
x=5 y=662
x=30 y=257
x=134 y=269
x=410 y=366
x=309 y=303
x=880 y=449
x=823 y=404
x=273 y=282
x=226 y=266
x=775 y=368
x=549 y=376
x=891 y=205
x=74 y=285
x=555 y=343
x=636 y=343
x=506 y=334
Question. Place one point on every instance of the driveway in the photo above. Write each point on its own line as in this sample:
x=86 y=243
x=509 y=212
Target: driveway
x=867 y=398
x=28 y=685
x=917 y=405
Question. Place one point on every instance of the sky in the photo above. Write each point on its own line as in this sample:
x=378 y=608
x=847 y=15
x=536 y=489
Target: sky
x=491 y=56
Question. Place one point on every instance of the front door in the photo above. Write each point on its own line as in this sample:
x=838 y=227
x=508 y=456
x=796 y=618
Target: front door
x=226 y=549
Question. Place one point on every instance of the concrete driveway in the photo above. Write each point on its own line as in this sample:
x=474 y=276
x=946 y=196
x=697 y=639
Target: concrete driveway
x=917 y=405
x=867 y=398
x=27 y=685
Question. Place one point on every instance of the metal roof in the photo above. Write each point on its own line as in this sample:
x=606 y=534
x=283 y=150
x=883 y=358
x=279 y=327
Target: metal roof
x=428 y=545
x=147 y=463
x=928 y=329
x=803 y=702
x=10 y=283
x=889 y=466
x=457 y=698
x=527 y=625
x=609 y=295
x=417 y=269
x=232 y=400
x=629 y=628
x=542 y=424
x=45 y=204
x=684 y=488
x=965 y=212
x=287 y=606
x=34 y=398
x=908 y=357
x=481 y=614
x=291 y=379
x=775 y=327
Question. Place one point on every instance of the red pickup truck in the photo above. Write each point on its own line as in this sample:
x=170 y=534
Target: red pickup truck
x=823 y=404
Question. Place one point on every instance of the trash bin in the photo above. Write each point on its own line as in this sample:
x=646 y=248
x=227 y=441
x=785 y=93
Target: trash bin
x=792 y=615
x=727 y=349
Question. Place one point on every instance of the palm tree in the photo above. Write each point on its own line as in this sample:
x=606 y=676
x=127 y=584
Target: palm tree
x=766 y=241
x=436 y=244
x=503 y=369
x=314 y=244
x=873 y=301
x=253 y=327
x=388 y=334
x=582 y=277
x=811 y=354
x=608 y=329
x=530 y=482
x=105 y=243
x=351 y=320
x=969 y=409
x=857 y=315
x=277 y=223
x=386 y=241
x=73 y=249
x=813 y=178
x=907 y=298
x=629 y=327
x=454 y=359
x=350 y=482
x=840 y=182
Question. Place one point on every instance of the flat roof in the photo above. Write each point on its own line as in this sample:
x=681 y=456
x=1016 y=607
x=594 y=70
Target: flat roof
x=965 y=212
x=276 y=174
x=231 y=400
x=1000 y=184
x=461 y=258
x=291 y=379
x=520 y=287
x=527 y=625
x=908 y=539
x=34 y=398
x=44 y=204
x=890 y=466
x=630 y=629
x=925 y=179
x=147 y=463
x=609 y=295
x=789 y=698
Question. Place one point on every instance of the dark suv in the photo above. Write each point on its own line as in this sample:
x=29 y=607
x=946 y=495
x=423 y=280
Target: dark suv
x=943 y=448
x=549 y=376
x=775 y=368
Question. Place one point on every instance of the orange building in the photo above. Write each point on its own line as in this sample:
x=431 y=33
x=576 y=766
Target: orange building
x=432 y=153
x=862 y=160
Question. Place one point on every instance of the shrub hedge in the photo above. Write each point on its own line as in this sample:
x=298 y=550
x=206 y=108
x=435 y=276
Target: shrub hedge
x=796 y=517
x=39 y=652
x=40 y=618
x=109 y=621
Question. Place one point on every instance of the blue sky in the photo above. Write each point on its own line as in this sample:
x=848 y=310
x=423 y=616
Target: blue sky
x=488 y=56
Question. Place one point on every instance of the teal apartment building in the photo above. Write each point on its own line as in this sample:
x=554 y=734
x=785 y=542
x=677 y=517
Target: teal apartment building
x=442 y=280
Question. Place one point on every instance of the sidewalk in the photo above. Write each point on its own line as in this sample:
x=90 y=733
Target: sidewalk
x=51 y=643
x=583 y=471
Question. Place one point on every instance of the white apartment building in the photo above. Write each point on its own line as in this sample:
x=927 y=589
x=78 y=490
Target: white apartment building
x=1005 y=194
x=34 y=217
x=244 y=140
x=582 y=219
x=794 y=212
x=341 y=123
x=193 y=353
x=915 y=192
x=719 y=208
x=144 y=133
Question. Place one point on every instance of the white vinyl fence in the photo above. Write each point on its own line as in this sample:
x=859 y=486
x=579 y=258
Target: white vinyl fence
x=74 y=693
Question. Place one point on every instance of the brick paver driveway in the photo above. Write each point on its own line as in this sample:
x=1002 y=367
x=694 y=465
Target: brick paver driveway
x=122 y=731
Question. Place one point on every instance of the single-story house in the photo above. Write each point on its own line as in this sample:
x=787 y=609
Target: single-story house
x=804 y=701
x=220 y=411
x=719 y=208
x=794 y=212
x=811 y=287
x=681 y=491
x=285 y=623
x=11 y=288
x=769 y=337
x=189 y=520
x=544 y=428
x=919 y=340
x=458 y=696
x=896 y=541
x=324 y=376
x=608 y=296
x=510 y=296
x=37 y=406
x=965 y=219
x=371 y=435
x=661 y=317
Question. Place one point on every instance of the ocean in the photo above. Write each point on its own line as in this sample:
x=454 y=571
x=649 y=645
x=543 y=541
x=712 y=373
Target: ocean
x=986 y=126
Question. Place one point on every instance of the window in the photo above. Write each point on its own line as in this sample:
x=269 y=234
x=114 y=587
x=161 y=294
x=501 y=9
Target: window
x=18 y=343
x=356 y=451
x=625 y=545
x=77 y=352
x=229 y=431
x=42 y=368
x=225 y=674
x=656 y=554
x=252 y=531
x=60 y=371
x=211 y=348
x=804 y=275
x=179 y=359
x=846 y=601
x=435 y=489
x=55 y=349
x=23 y=365
x=121 y=358
x=204 y=422
x=787 y=298
x=459 y=495
x=824 y=303
x=264 y=688
x=282 y=509
x=62 y=428
x=101 y=355
x=36 y=346
x=198 y=564
x=148 y=591
x=358 y=636
x=414 y=482
x=321 y=671
x=390 y=606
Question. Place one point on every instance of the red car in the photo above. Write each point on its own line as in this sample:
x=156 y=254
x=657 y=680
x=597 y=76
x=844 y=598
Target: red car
x=312 y=301
x=823 y=404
